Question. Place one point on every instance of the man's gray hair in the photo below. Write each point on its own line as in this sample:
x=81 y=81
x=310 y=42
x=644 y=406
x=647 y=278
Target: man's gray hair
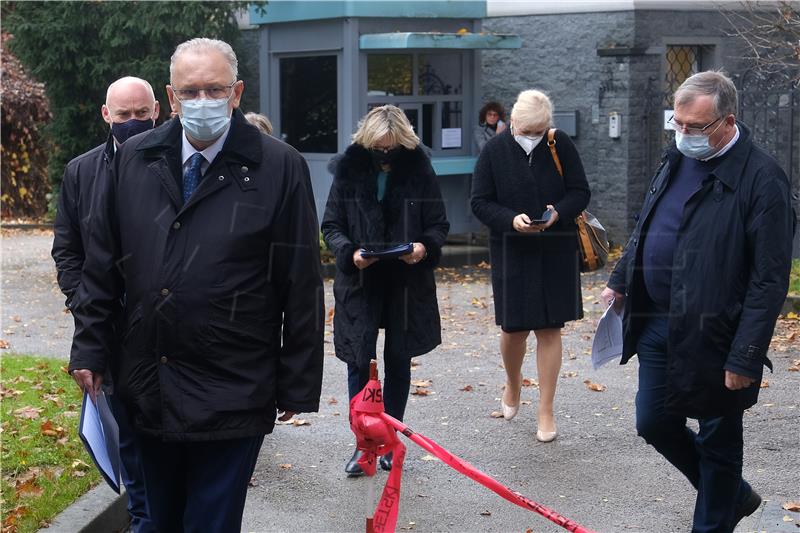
x=713 y=83
x=203 y=44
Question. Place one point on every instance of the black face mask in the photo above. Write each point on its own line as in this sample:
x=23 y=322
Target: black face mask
x=385 y=157
x=123 y=130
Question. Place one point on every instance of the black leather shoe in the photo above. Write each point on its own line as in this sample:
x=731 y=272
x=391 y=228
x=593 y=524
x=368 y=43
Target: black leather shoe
x=386 y=461
x=352 y=468
x=748 y=506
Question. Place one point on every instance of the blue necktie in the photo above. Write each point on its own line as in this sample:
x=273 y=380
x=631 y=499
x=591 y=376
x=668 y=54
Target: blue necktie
x=191 y=178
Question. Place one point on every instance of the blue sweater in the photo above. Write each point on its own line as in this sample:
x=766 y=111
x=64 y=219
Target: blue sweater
x=663 y=229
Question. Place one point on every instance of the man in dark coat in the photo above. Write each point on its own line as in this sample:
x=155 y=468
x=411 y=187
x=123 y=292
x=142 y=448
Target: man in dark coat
x=208 y=229
x=702 y=281
x=130 y=108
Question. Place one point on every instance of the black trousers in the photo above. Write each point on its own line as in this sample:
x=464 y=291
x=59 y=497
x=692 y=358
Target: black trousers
x=197 y=486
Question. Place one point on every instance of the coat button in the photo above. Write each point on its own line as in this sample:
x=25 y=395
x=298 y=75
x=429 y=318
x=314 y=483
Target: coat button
x=164 y=359
x=245 y=169
x=221 y=178
x=176 y=225
x=247 y=178
x=653 y=190
x=164 y=292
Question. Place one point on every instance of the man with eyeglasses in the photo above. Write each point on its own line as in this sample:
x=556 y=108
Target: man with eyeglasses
x=130 y=108
x=702 y=280
x=209 y=229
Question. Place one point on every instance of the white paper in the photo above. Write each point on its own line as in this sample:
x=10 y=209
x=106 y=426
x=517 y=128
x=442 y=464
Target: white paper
x=100 y=435
x=607 y=343
x=668 y=115
x=451 y=137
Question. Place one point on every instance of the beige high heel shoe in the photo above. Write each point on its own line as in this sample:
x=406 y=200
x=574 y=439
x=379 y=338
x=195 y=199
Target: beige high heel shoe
x=546 y=436
x=510 y=411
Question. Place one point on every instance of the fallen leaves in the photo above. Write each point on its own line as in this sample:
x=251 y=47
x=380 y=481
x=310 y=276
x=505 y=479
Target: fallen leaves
x=527 y=382
x=421 y=392
x=28 y=412
x=486 y=513
x=421 y=382
x=332 y=401
x=764 y=384
x=466 y=388
x=795 y=366
x=792 y=506
x=496 y=414
x=4 y=344
x=591 y=385
x=429 y=457
x=49 y=430
x=285 y=466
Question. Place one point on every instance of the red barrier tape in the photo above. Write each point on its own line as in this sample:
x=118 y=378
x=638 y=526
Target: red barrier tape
x=376 y=435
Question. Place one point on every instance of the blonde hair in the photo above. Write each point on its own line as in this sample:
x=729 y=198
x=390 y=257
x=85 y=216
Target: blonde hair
x=533 y=109
x=385 y=121
x=259 y=121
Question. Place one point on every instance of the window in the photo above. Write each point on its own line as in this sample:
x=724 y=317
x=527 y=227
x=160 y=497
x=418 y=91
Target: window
x=428 y=87
x=309 y=120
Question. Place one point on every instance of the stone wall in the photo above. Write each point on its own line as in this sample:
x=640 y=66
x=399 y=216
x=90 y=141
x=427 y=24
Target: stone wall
x=560 y=56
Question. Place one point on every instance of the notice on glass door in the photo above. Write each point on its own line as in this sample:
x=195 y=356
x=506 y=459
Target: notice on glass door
x=451 y=138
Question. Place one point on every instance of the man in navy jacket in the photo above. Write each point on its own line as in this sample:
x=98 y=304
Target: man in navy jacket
x=702 y=280
x=130 y=108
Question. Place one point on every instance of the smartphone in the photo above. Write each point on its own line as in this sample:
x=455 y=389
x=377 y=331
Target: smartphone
x=544 y=219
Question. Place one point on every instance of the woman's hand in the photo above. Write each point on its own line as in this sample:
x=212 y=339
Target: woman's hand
x=522 y=223
x=609 y=295
x=362 y=262
x=417 y=254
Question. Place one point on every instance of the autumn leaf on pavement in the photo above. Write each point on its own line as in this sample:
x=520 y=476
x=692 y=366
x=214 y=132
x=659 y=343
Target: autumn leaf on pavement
x=466 y=388
x=4 y=345
x=28 y=412
x=795 y=366
x=300 y=422
x=285 y=466
x=421 y=382
x=421 y=392
x=764 y=384
x=792 y=506
x=527 y=382
x=329 y=320
x=594 y=386
x=496 y=414
x=486 y=513
x=332 y=401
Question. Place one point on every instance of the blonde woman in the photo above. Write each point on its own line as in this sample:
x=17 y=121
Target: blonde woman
x=530 y=211
x=384 y=194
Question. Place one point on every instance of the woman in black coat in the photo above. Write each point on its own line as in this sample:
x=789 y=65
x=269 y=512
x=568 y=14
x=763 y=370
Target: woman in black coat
x=530 y=210
x=384 y=194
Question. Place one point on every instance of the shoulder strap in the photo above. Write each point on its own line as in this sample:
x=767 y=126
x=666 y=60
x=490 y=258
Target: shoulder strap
x=551 y=142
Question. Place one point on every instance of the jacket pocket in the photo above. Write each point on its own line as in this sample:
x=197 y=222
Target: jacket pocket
x=131 y=324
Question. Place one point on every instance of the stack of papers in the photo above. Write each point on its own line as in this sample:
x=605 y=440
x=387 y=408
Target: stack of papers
x=607 y=344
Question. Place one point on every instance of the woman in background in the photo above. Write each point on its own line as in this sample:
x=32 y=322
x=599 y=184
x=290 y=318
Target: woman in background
x=491 y=119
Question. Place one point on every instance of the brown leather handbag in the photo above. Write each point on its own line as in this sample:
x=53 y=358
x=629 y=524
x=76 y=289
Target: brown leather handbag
x=592 y=236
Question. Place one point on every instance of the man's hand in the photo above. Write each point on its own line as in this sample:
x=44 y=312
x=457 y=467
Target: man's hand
x=608 y=295
x=286 y=416
x=417 y=254
x=88 y=381
x=737 y=381
x=362 y=262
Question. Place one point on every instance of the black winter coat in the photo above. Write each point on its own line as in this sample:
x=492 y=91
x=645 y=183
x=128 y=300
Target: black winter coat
x=223 y=316
x=535 y=276
x=71 y=227
x=389 y=293
x=730 y=278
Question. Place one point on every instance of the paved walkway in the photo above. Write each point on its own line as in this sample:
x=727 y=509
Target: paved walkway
x=598 y=472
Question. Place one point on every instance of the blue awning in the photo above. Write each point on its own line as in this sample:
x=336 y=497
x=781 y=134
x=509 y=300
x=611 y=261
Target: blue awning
x=404 y=40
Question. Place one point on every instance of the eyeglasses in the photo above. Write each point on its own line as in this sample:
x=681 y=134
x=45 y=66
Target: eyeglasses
x=691 y=130
x=214 y=93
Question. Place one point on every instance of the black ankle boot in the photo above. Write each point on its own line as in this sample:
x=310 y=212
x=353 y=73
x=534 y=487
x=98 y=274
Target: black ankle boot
x=352 y=468
x=386 y=461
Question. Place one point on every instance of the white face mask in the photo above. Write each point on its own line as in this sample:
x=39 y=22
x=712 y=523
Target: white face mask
x=205 y=120
x=527 y=142
x=694 y=146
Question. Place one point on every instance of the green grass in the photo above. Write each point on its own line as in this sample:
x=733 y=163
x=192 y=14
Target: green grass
x=794 y=277
x=44 y=465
